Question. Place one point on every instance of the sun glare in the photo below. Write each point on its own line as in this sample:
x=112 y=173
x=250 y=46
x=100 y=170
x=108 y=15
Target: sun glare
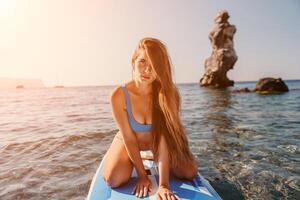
x=7 y=7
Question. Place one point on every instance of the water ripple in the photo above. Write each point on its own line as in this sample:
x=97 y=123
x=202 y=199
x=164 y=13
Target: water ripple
x=247 y=145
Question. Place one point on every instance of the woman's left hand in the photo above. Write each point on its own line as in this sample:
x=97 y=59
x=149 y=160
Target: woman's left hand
x=164 y=193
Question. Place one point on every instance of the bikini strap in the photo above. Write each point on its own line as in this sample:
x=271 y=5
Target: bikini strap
x=127 y=99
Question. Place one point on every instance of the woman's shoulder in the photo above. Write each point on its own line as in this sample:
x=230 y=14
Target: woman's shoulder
x=117 y=98
x=117 y=95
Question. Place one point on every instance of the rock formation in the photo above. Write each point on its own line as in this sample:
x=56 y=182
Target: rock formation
x=271 y=85
x=242 y=90
x=223 y=56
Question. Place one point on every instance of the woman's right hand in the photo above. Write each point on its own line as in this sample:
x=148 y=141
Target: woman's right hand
x=142 y=187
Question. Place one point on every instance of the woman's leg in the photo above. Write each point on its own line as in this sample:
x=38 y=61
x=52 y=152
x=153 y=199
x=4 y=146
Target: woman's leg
x=186 y=170
x=117 y=164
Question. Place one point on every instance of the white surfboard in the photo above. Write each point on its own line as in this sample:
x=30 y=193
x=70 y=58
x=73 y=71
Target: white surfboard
x=199 y=188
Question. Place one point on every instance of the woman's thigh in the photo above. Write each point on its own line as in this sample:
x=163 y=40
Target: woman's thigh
x=117 y=167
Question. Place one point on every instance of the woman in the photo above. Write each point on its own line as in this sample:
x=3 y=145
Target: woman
x=146 y=110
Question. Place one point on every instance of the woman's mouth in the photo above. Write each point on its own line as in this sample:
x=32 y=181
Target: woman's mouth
x=145 y=77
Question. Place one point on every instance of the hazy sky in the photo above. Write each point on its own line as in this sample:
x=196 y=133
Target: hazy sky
x=90 y=42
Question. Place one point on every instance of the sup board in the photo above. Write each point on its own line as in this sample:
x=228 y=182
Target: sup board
x=199 y=188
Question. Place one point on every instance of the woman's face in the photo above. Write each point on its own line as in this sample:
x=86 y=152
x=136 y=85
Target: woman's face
x=143 y=71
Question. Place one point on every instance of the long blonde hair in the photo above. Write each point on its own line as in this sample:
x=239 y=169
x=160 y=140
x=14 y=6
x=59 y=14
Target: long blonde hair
x=166 y=119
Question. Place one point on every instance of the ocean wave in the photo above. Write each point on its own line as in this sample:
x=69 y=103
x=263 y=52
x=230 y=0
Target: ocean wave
x=45 y=168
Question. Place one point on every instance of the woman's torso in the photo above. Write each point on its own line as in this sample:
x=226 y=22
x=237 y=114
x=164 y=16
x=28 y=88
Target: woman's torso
x=144 y=140
x=139 y=110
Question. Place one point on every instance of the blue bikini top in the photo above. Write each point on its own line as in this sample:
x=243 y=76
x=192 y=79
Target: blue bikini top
x=135 y=126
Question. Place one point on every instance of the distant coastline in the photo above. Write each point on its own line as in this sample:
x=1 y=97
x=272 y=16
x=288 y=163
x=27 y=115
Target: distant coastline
x=10 y=83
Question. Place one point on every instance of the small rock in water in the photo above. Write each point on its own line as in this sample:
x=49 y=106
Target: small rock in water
x=271 y=85
x=242 y=90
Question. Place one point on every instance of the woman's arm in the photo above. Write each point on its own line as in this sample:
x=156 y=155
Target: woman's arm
x=163 y=163
x=129 y=138
x=163 y=191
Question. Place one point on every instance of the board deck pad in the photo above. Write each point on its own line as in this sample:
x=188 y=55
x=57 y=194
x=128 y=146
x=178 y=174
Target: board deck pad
x=199 y=188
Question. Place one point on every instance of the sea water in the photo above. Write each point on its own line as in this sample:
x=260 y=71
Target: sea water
x=53 y=139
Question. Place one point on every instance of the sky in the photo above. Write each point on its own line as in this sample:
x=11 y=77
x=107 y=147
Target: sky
x=80 y=42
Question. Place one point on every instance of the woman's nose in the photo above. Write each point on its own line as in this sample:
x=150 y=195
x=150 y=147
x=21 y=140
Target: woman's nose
x=148 y=69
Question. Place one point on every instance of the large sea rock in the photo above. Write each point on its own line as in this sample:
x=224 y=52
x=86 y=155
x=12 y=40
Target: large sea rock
x=223 y=56
x=271 y=85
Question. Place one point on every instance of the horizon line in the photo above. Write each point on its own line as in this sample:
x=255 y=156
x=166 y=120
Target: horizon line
x=180 y=83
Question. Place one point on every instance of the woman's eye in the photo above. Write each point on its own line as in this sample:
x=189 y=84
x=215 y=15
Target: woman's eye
x=142 y=61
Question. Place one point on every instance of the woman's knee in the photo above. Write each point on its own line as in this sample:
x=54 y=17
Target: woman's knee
x=117 y=165
x=117 y=171
x=192 y=172
x=111 y=181
x=114 y=180
x=188 y=171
